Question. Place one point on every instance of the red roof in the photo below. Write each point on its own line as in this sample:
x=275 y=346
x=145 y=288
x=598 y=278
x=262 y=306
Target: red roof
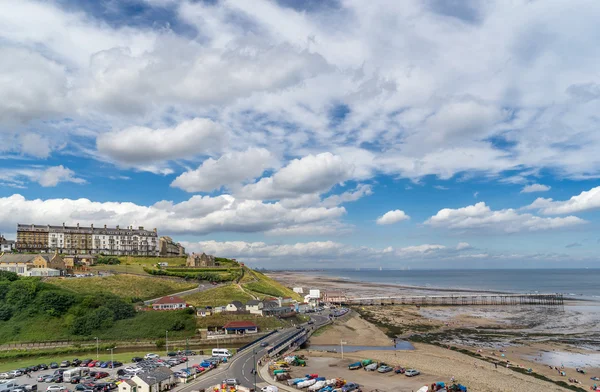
x=172 y=299
x=240 y=324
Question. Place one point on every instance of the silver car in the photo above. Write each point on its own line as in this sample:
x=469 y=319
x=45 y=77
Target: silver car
x=6 y=376
x=412 y=373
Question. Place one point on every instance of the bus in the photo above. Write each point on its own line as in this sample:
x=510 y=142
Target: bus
x=221 y=353
x=76 y=372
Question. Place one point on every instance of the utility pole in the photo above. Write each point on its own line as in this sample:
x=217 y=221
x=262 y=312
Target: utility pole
x=167 y=343
x=97 y=348
x=342 y=347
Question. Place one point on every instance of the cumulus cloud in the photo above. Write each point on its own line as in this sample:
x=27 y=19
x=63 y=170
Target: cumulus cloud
x=391 y=217
x=198 y=215
x=479 y=216
x=46 y=177
x=535 y=188
x=231 y=168
x=463 y=246
x=586 y=200
x=142 y=145
x=310 y=174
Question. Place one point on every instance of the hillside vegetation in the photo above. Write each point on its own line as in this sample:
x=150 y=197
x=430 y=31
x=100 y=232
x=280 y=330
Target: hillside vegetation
x=131 y=287
x=262 y=286
x=219 y=296
x=32 y=310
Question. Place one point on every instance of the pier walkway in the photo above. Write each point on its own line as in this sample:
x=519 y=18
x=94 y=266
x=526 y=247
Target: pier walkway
x=462 y=300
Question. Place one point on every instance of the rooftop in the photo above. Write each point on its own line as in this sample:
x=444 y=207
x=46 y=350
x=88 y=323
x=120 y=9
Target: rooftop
x=240 y=324
x=155 y=376
x=21 y=258
x=171 y=299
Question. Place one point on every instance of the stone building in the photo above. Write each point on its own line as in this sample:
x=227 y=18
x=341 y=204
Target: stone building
x=196 y=261
x=31 y=264
x=87 y=240
x=169 y=248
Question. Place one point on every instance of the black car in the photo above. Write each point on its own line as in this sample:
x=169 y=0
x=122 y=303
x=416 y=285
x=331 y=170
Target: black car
x=59 y=372
x=137 y=359
x=172 y=354
x=57 y=379
x=42 y=366
x=29 y=387
x=54 y=365
x=75 y=379
x=80 y=387
x=189 y=352
x=85 y=362
x=76 y=362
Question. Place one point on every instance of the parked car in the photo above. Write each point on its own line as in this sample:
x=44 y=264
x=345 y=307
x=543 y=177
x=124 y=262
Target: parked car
x=355 y=366
x=57 y=378
x=29 y=387
x=85 y=362
x=76 y=362
x=133 y=369
x=372 y=367
x=16 y=373
x=151 y=356
x=137 y=359
x=231 y=382
x=42 y=377
x=6 y=376
x=412 y=373
x=384 y=369
x=65 y=363
x=75 y=379
x=351 y=386
x=43 y=366
x=100 y=375
x=33 y=368
x=54 y=365
x=92 y=364
x=80 y=387
x=399 y=370
x=55 y=388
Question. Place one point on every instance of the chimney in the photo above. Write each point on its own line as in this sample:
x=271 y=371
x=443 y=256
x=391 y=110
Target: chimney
x=141 y=228
x=117 y=227
x=63 y=225
x=105 y=226
x=78 y=225
x=155 y=229
x=92 y=226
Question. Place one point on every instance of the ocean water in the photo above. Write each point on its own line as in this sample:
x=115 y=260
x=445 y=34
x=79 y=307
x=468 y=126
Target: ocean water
x=571 y=282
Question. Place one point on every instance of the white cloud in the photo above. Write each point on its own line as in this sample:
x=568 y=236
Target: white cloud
x=230 y=169
x=348 y=196
x=586 y=200
x=46 y=177
x=535 y=188
x=198 y=215
x=391 y=217
x=463 y=246
x=141 y=145
x=480 y=217
x=310 y=174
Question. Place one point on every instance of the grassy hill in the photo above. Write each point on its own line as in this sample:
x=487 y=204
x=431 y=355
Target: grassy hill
x=262 y=286
x=124 y=286
x=219 y=296
x=32 y=311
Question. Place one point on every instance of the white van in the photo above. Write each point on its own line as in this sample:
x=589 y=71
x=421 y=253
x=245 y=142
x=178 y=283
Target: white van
x=221 y=353
x=76 y=372
x=7 y=385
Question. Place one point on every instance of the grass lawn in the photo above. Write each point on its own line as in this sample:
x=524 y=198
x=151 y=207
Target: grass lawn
x=265 y=286
x=218 y=296
x=126 y=286
x=149 y=261
x=121 y=268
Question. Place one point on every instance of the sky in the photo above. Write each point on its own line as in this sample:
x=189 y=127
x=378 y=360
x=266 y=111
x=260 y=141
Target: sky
x=310 y=134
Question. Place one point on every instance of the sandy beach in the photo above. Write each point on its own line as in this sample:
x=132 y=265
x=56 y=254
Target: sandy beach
x=540 y=338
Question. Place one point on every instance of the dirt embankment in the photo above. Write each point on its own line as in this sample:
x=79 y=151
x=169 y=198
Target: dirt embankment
x=353 y=330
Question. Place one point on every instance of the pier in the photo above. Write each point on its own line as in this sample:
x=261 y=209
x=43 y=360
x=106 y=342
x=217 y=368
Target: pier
x=463 y=300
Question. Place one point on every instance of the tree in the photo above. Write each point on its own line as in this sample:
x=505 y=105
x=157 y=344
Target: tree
x=10 y=276
x=22 y=292
x=54 y=303
x=5 y=312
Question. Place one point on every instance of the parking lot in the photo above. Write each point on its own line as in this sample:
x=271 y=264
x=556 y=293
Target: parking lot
x=98 y=379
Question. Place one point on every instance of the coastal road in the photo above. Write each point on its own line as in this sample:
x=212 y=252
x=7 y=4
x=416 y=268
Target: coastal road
x=242 y=364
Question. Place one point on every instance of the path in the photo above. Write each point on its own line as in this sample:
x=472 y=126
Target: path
x=200 y=288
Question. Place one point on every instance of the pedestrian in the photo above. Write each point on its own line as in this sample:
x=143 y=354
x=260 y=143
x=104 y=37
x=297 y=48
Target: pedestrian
x=496 y=365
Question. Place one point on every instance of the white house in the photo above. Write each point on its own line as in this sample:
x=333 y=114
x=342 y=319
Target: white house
x=6 y=245
x=254 y=307
x=235 y=306
x=315 y=293
x=157 y=380
x=298 y=290
x=171 y=302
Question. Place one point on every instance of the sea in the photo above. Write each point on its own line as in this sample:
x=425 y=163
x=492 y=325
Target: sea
x=570 y=282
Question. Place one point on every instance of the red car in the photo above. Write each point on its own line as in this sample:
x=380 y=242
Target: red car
x=100 y=375
x=92 y=364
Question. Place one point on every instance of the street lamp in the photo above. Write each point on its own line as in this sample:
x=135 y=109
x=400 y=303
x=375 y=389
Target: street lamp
x=97 y=353
x=112 y=361
x=167 y=342
x=342 y=347
x=255 y=366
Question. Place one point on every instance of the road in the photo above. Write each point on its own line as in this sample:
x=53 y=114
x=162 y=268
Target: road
x=241 y=365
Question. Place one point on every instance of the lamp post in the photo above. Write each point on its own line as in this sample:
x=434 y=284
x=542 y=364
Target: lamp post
x=97 y=348
x=112 y=362
x=255 y=366
x=167 y=342
x=342 y=347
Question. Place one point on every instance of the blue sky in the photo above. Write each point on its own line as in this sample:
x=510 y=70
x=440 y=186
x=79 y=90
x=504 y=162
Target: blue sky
x=429 y=134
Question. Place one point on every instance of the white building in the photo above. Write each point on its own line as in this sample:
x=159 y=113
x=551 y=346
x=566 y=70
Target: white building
x=6 y=245
x=314 y=293
x=43 y=272
x=298 y=290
